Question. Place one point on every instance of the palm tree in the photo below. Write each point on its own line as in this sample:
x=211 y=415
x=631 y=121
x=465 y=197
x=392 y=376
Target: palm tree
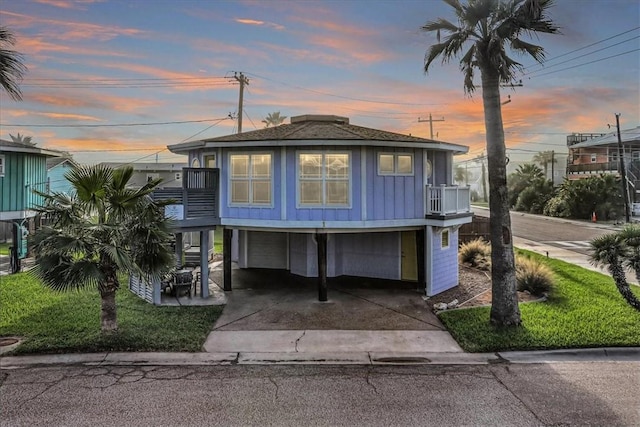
x=488 y=26
x=526 y=175
x=22 y=139
x=273 y=119
x=105 y=228
x=617 y=251
x=461 y=175
x=544 y=159
x=11 y=67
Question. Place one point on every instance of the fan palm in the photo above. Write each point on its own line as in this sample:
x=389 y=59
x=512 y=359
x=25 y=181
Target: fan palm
x=487 y=27
x=103 y=229
x=617 y=251
x=273 y=119
x=544 y=159
x=11 y=67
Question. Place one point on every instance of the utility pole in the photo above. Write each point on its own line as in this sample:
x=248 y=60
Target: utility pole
x=623 y=171
x=553 y=160
x=243 y=81
x=431 y=120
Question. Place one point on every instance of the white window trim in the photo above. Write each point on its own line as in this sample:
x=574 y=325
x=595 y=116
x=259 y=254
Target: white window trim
x=323 y=205
x=230 y=203
x=395 y=164
x=209 y=154
x=3 y=165
x=594 y=158
x=445 y=230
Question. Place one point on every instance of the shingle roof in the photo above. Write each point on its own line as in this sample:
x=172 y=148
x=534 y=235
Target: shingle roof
x=315 y=127
x=627 y=136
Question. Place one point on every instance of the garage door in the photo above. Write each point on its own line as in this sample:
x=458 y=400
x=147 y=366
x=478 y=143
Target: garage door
x=266 y=249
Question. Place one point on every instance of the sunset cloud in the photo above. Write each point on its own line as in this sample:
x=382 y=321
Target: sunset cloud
x=260 y=23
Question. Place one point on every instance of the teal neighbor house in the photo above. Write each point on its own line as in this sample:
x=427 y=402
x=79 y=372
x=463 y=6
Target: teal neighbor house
x=23 y=169
x=321 y=197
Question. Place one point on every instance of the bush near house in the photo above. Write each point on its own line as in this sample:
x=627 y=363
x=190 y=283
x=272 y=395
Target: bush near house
x=476 y=253
x=533 y=276
x=580 y=198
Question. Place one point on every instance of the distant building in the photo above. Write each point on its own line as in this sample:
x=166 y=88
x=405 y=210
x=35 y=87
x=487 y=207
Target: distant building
x=57 y=167
x=171 y=173
x=595 y=154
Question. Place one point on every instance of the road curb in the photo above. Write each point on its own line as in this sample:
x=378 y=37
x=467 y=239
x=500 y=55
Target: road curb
x=608 y=354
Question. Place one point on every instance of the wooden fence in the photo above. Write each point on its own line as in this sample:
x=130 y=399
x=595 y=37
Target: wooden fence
x=479 y=227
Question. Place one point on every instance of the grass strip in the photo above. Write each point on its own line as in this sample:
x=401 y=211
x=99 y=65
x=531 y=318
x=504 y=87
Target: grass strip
x=584 y=310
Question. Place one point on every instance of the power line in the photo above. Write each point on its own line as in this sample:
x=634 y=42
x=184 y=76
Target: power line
x=113 y=125
x=581 y=56
x=537 y=64
x=338 y=96
x=126 y=79
x=585 y=63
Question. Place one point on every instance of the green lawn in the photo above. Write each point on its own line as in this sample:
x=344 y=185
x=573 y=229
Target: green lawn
x=70 y=322
x=4 y=248
x=586 y=310
x=217 y=241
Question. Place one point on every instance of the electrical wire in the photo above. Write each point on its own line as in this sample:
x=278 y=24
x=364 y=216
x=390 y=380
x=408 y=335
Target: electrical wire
x=586 y=63
x=113 y=125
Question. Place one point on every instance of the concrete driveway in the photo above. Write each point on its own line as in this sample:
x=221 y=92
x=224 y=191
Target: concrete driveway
x=264 y=300
x=272 y=315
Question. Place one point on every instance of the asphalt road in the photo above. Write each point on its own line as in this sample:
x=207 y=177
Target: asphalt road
x=595 y=393
x=552 y=231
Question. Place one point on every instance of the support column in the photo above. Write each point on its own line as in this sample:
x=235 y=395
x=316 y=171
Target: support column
x=420 y=251
x=226 y=258
x=178 y=249
x=204 y=264
x=321 y=240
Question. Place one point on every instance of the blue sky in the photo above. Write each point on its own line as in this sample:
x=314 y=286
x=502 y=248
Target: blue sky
x=96 y=64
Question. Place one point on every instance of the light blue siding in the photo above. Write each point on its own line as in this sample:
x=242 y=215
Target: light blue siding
x=57 y=181
x=251 y=212
x=395 y=197
x=445 y=263
x=294 y=213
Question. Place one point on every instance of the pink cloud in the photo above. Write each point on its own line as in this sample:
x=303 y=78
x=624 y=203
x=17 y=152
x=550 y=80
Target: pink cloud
x=260 y=23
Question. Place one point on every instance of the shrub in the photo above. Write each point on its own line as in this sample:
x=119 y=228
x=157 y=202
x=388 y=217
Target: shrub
x=476 y=253
x=557 y=206
x=533 y=276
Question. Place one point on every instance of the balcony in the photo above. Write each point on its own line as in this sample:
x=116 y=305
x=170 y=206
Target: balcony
x=593 y=168
x=195 y=205
x=444 y=203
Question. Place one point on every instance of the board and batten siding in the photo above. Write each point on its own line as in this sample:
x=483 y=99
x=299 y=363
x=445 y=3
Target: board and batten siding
x=56 y=180
x=23 y=173
x=392 y=197
x=271 y=212
x=328 y=213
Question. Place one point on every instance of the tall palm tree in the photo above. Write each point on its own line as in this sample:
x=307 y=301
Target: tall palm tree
x=273 y=119
x=544 y=159
x=11 y=66
x=487 y=27
x=617 y=251
x=103 y=229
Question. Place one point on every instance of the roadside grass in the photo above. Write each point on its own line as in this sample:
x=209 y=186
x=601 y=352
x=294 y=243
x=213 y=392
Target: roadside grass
x=585 y=310
x=69 y=322
x=217 y=241
x=4 y=248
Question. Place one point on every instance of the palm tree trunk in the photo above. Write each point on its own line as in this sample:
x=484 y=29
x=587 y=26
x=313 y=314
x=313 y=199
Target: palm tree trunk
x=108 y=314
x=504 y=303
x=617 y=272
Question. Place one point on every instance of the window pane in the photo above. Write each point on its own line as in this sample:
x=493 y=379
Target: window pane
x=261 y=165
x=240 y=166
x=405 y=164
x=262 y=192
x=385 y=163
x=239 y=191
x=445 y=239
x=311 y=192
x=337 y=192
x=310 y=165
x=337 y=165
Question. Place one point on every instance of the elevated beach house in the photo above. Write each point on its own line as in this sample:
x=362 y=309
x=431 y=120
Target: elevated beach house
x=322 y=198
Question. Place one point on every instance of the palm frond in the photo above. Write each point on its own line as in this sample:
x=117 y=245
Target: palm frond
x=440 y=24
x=607 y=249
x=535 y=51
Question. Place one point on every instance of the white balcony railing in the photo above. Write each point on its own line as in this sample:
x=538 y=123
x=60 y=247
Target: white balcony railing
x=445 y=200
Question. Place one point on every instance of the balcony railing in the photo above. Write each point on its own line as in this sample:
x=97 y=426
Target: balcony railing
x=443 y=200
x=594 y=167
x=198 y=195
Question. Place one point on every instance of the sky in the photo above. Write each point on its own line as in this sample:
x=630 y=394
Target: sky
x=120 y=80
